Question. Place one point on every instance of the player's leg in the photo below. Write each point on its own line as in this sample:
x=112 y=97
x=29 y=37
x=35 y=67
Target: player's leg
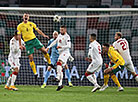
x=131 y=68
x=67 y=71
x=47 y=74
x=91 y=75
x=105 y=85
x=7 y=86
x=32 y=65
x=46 y=55
x=8 y=83
x=116 y=81
x=13 y=78
x=59 y=74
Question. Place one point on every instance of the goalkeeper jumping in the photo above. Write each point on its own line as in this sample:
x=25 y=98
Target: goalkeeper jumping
x=26 y=30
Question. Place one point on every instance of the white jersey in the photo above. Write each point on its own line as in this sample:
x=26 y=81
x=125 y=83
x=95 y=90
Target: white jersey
x=95 y=52
x=123 y=47
x=63 y=41
x=15 y=51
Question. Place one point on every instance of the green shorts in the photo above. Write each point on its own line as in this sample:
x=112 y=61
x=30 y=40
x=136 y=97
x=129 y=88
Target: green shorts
x=118 y=69
x=31 y=44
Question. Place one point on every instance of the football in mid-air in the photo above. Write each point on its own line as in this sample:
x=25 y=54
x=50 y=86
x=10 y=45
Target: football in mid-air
x=56 y=18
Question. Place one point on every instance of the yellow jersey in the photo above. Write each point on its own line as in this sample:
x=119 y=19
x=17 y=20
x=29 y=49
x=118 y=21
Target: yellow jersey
x=26 y=29
x=115 y=57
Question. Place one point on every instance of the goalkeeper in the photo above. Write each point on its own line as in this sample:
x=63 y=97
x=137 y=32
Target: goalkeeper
x=26 y=30
x=54 y=58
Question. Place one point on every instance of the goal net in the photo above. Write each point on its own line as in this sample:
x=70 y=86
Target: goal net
x=80 y=23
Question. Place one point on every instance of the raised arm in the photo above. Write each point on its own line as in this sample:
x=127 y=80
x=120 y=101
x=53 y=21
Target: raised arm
x=39 y=31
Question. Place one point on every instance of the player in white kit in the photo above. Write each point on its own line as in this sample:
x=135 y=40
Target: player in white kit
x=63 y=46
x=122 y=46
x=13 y=59
x=94 y=56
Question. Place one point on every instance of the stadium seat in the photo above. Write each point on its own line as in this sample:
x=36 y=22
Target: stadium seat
x=71 y=6
x=10 y=31
x=90 y=31
x=2 y=16
x=71 y=31
x=117 y=2
x=126 y=6
x=115 y=21
x=126 y=32
x=136 y=2
x=135 y=22
x=2 y=23
x=134 y=53
x=134 y=44
x=81 y=23
x=82 y=6
x=2 y=31
x=134 y=32
x=102 y=36
x=126 y=21
x=115 y=6
x=92 y=22
x=80 y=42
x=112 y=34
x=12 y=24
x=128 y=2
x=106 y=2
x=79 y=54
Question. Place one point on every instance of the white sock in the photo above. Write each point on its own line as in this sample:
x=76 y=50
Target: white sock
x=59 y=70
x=13 y=78
x=94 y=77
x=8 y=81
x=61 y=78
x=92 y=80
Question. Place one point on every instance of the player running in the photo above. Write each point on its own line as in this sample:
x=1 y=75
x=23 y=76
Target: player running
x=122 y=46
x=54 y=58
x=94 y=56
x=63 y=46
x=26 y=30
x=13 y=59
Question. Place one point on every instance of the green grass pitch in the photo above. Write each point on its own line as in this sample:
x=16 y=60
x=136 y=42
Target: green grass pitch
x=68 y=94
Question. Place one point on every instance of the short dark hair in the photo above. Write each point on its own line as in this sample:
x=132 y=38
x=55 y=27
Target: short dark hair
x=93 y=35
x=15 y=33
x=119 y=34
x=63 y=26
x=106 y=44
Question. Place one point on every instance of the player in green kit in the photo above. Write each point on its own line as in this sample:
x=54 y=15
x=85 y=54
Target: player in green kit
x=26 y=30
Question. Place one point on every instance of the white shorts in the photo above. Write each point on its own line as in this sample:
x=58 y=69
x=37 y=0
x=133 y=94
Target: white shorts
x=14 y=62
x=129 y=65
x=94 y=67
x=64 y=57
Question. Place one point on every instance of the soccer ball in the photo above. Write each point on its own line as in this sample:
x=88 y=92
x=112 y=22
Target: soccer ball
x=57 y=18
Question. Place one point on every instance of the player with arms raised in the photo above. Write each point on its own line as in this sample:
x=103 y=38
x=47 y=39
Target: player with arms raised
x=94 y=56
x=63 y=46
x=122 y=46
x=13 y=59
x=26 y=30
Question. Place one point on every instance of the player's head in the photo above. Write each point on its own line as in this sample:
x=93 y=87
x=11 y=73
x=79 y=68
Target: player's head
x=16 y=35
x=25 y=17
x=55 y=34
x=63 y=29
x=118 y=35
x=92 y=37
x=105 y=47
